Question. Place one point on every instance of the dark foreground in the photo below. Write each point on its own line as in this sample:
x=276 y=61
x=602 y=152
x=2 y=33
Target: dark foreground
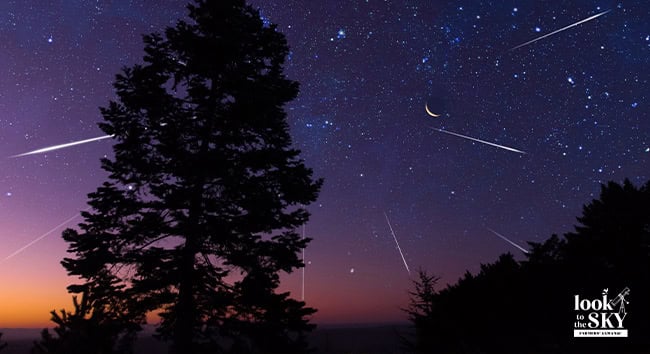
x=325 y=339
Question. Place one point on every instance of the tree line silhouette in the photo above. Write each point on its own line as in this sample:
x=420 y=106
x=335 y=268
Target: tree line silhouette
x=527 y=306
x=205 y=192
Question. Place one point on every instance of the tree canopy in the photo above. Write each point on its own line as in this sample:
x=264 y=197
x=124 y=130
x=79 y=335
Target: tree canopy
x=198 y=216
x=528 y=305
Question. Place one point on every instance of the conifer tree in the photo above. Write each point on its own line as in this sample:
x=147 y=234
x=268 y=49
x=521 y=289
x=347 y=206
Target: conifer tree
x=420 y=312
x=198 y=216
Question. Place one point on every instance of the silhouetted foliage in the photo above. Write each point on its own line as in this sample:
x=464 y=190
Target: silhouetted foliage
x=2 y=345
x=420 y=311
x=528 y=306
x=205 y=192
x=99 y=324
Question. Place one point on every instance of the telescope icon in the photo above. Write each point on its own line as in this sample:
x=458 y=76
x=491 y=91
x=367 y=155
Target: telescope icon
x=620 y=299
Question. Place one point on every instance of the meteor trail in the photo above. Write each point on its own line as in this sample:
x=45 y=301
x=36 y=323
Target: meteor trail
x=62 y=146
x=397 y=243
x=20 y=250
x=561 y=29
x=480 y=141
x=507 y=240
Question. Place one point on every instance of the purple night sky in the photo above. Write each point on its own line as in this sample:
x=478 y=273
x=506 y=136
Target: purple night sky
x=575 y=102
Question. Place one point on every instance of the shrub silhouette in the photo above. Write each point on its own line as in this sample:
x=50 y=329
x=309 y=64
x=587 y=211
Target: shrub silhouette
x=2 y=345
x=87 y=330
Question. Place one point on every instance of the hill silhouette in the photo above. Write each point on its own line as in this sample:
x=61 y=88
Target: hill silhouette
x=529 y=306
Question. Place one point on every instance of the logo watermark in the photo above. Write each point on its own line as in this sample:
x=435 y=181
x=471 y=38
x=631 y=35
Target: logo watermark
x=601 y=317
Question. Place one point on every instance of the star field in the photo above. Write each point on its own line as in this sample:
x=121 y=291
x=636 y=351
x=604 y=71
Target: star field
x=576 y=102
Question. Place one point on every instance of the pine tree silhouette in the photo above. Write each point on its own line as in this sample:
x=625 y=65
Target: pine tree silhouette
x=420 y=311
x=205 y=192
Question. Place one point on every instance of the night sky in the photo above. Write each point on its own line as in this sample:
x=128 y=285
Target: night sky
x=575 y=102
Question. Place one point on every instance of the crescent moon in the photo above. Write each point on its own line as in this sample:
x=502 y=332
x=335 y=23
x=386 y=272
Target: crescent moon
x=426 y=108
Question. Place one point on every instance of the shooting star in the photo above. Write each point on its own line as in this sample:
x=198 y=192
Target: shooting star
x=397 y=243
x=507 y=240
x=561 y=29
x=20 y=250
x=62 y=146
x=480 y=141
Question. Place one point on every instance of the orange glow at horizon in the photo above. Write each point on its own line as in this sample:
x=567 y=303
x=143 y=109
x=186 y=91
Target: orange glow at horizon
x=29 y=291
x=27 y=304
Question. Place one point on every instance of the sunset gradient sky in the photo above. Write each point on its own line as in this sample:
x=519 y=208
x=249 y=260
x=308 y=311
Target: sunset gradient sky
x=575 y=102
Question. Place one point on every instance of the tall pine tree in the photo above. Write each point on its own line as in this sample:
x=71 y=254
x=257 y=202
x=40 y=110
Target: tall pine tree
x=198 y=216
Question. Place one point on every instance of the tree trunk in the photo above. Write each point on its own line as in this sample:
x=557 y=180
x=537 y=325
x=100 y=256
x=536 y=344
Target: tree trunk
x=183 y=342
x=184 y=325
